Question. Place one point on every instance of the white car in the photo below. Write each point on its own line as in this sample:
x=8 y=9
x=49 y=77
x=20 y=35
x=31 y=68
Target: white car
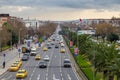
x=62 y=45
x=46 y=58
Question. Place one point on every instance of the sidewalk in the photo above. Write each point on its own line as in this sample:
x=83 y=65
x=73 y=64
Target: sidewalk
x=11 y=57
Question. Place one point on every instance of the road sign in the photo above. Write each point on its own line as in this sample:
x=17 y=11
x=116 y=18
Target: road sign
x=28 y=43
x=19 y=50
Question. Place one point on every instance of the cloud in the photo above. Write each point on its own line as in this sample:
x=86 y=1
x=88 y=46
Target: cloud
x=60 y=9
x=78 y=4
x=14 y=8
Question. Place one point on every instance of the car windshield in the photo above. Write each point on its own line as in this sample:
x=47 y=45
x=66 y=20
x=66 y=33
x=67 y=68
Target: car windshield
x=42 y=63
x=66 y=61
x=21 y=71
x=13 y=65
x=33 y=50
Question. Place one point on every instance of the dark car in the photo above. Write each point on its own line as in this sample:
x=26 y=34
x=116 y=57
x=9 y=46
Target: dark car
x=25 y=58
x=67 y=63
x=49 y=46
x=42 y=64
x=56 y=46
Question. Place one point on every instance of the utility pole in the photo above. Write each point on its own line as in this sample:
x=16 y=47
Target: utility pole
x=36 y=27
x=19 y=36
x=0 y=38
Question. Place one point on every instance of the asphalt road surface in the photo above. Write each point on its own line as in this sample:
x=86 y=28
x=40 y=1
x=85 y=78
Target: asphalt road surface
x=54 y=70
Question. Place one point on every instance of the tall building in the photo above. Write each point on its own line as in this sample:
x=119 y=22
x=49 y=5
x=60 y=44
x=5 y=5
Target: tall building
x=3 y=19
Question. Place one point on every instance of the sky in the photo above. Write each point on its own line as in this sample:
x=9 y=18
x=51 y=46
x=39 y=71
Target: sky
x=61 y=10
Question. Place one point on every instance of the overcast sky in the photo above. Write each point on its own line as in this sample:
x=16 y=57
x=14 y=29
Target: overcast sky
x=61 y=9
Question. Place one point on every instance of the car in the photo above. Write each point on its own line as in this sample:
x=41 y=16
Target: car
x=56 y=46
x=19 y=62
x=62 y=50
x=37 y=57
x=46 y=58
x=13 y=68
x=22 y=73
x=27 y=54
x=45 y=49
x=42 y=64
x=67 y=63
x=33 y=51
x=25 y=58
x=62 y=45
x=48 y=46
x=52 y=43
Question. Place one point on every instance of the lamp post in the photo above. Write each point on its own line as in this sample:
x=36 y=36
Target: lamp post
x=19 y=36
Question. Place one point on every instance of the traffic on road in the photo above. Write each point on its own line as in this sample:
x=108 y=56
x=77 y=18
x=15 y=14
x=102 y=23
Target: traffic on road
x=49 y=62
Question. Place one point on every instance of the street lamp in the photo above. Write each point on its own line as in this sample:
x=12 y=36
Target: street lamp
x=19 y=36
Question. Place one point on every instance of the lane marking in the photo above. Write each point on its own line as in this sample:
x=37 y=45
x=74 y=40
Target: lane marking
x=54 y=78
x=69 y=77
x=38 y=78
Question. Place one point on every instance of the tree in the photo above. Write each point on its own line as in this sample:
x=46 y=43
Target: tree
x=112 y=37
x=103 y=29
x=104 y=59
x=47 y=29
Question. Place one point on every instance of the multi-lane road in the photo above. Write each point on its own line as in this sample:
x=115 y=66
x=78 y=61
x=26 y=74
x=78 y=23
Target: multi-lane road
x=54 y=70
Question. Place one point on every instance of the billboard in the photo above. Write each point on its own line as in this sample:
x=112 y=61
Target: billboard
x=86 y=32
x=76 y=51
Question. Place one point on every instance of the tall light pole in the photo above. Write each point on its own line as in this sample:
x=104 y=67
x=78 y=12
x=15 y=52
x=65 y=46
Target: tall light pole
x=0 y=39
x=19 y=36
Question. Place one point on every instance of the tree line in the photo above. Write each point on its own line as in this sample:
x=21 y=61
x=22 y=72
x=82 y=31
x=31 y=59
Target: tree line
x=104 y=59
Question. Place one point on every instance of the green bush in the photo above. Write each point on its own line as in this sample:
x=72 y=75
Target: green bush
x=5 y=48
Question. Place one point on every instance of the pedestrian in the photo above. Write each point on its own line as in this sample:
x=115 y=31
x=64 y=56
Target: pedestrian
x=4 y=64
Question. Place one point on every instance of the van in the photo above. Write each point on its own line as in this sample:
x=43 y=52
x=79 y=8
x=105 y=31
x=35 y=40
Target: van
x=33 y=51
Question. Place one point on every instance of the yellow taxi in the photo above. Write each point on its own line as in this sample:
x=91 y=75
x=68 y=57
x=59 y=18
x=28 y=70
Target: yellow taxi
x=45 y=49
x=62 y=50
x=37 y=57
x=13 y=68
x=21 y=74
x=19 y=62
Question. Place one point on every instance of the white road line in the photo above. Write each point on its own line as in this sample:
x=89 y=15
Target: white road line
x=61 y=74
x=30 y=78
x=7 y=78
x=54 y=78
x=69 y=77
x=38 y=78
x=47 y=76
